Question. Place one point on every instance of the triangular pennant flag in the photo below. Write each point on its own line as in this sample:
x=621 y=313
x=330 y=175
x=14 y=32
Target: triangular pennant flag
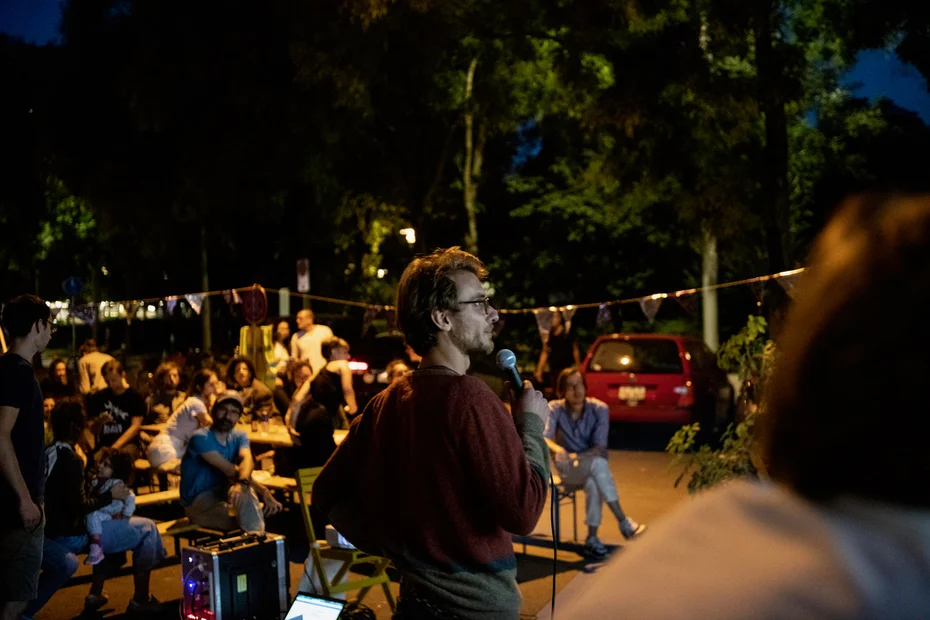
x=195 y=300
x=603 y=319
x=688 y=301
x=567 y=314
x=788 y=283
x=544 y=323
x=86 y=313
x=170 y=304
x=650 y=306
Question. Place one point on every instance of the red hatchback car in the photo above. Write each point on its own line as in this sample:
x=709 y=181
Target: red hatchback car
x=658 y=378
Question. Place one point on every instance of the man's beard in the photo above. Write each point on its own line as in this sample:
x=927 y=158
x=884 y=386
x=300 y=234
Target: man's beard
x=473 y=345
x=224 y=425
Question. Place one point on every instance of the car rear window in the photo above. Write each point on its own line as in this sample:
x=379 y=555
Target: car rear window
x=659 y=357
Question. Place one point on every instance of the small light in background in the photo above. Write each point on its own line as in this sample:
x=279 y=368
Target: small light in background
x=382 y=273
x=104 y=270
x=409 y=234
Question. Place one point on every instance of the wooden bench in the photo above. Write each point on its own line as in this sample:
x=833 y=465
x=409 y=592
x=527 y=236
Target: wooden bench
x=160 y=497
x=185 y=529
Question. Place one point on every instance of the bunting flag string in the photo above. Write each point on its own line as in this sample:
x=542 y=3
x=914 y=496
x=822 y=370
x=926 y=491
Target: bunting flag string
x=649 y=304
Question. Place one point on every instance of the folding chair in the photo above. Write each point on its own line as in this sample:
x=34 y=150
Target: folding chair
x=350 y=558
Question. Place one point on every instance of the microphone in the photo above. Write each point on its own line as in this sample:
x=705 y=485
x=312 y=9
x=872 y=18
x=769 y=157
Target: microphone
x=507 y=362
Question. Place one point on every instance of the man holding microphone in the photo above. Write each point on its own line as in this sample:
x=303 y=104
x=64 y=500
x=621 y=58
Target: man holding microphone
x=436 y=474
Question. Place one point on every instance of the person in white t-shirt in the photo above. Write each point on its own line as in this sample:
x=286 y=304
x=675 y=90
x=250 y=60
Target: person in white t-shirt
x=842 y=530
x=169 y=446
x=307 y=342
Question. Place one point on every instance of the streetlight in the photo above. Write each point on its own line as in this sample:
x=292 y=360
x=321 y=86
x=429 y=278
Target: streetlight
x=409 y=234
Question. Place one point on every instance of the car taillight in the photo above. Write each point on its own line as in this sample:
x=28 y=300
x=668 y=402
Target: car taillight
x=685 y=395
x=358 y=366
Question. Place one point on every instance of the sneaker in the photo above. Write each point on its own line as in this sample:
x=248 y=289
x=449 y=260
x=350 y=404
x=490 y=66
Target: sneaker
x=594 y=548
x=95 y=555
x=151 y=606
x=631 y=529
x=92 y=602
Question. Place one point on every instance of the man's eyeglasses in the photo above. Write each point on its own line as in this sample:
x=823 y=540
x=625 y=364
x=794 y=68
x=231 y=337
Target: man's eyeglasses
x=486 y=301
x=52 y=328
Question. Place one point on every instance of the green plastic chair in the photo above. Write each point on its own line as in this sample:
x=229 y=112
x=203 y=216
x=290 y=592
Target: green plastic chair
x=349 y=557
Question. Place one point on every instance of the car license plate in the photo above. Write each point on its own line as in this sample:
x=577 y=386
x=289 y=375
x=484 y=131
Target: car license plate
x=632 y=393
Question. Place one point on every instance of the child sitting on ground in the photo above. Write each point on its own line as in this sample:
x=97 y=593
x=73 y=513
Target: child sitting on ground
x=112 y=467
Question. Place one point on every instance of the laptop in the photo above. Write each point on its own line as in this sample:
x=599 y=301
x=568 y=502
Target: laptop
x=312 y=607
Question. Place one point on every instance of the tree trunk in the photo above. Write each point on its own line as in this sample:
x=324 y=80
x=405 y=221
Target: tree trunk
x=473 y=156
x=774 y=170
x=710 y=268
x=205 y=282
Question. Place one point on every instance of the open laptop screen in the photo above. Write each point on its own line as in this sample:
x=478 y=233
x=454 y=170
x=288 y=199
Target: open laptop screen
x=310 y=607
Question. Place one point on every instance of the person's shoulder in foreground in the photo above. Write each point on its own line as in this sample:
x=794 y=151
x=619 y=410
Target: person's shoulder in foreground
x=757 y=550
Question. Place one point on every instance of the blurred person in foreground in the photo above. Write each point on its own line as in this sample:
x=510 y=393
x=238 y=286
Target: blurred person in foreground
x=22 y=454
x=842 y=529
x=576 y=431
x=472 y=473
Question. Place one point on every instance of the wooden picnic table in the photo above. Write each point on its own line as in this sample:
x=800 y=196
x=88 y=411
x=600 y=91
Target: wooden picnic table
x=276 y=437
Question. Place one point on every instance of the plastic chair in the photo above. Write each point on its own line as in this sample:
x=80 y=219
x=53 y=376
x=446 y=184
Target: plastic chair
x=350 y=558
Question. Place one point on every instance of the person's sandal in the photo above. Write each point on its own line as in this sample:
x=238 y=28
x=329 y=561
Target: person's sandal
x=631 y=529
x=92 y=602
x=151 y=606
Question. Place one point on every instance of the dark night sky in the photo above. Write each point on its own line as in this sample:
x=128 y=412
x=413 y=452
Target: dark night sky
x=878 y=73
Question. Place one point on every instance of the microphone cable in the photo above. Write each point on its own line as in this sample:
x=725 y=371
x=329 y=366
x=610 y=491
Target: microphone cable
x=553 y=508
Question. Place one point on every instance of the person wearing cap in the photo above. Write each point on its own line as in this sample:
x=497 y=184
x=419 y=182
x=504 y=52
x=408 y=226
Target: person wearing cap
x=217 y=490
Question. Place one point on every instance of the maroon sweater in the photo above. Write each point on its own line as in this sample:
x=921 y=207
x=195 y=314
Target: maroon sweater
x=436 y=475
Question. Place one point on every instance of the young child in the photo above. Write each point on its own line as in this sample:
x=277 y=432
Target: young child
x=113 y=466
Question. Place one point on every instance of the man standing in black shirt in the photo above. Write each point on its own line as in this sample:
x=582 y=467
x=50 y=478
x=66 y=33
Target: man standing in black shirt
x=117 y=412
x=22 y=454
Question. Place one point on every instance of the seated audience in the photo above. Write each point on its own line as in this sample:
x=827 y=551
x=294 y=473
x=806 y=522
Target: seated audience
x=112 y=467
x=282 y=337
x=256 y=397
x=313 y=440
x=395 y=371
x=216 y=474
x=116 y=412
x=841 y=528
x=58 y=384
x=576 y=432
x=332 y=386
x=165 y=397
x=168 y=447
x=90 y=367
x=66 y=507
x=296 y=384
